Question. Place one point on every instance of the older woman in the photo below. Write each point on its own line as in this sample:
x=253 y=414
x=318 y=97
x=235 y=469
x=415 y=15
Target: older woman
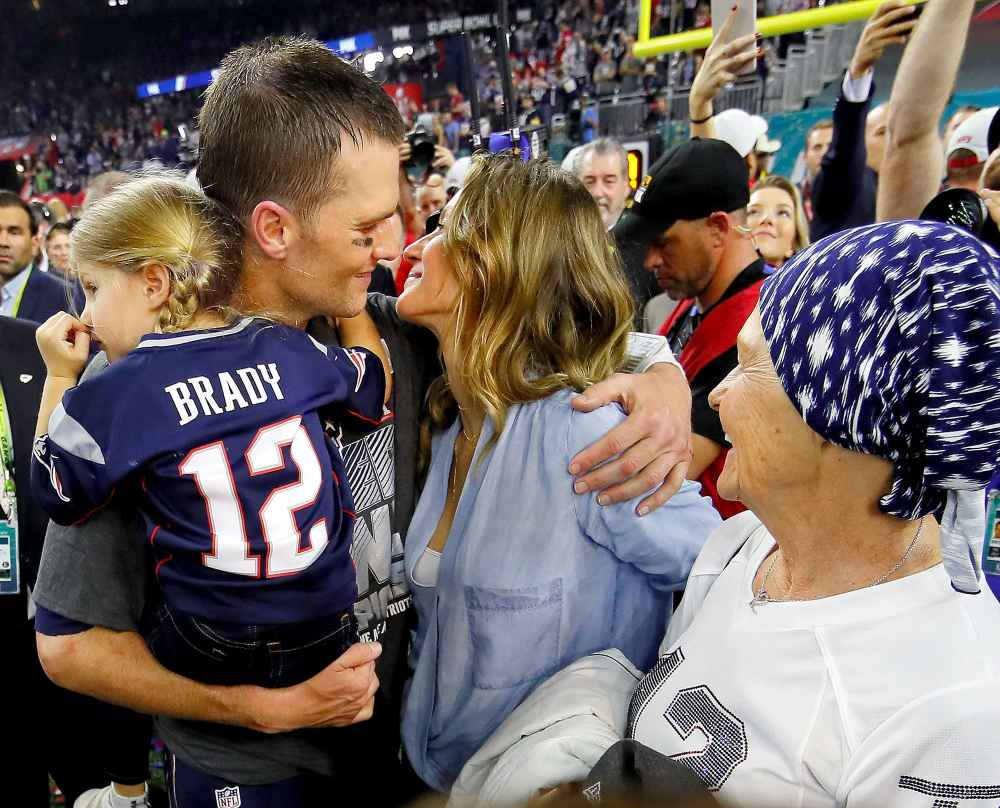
x=513 y=576
x=824 y=655
x=777 y=220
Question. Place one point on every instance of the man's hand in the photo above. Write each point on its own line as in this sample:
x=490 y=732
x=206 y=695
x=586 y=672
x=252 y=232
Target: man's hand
x=341 y=694
x=443 y=159
x=652 y=446
x=724 y=60
x=992 y=200
x=405 y=151
x=889 y=25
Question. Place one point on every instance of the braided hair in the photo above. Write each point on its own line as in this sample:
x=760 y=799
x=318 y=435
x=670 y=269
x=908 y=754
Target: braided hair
x=158 y=218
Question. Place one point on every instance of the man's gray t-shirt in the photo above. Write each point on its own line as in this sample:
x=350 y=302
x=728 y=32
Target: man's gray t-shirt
x=98 y=573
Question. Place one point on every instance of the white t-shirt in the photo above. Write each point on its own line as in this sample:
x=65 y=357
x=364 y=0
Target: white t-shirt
x=888 y=695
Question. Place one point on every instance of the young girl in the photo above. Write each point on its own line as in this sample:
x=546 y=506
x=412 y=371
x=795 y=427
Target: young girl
x=209 y=422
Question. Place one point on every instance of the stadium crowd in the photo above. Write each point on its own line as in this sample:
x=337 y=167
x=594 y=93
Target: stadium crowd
x=354 y=466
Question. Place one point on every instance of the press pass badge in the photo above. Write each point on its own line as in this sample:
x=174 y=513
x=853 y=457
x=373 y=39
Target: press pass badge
x=10 y=579
x=991 y=546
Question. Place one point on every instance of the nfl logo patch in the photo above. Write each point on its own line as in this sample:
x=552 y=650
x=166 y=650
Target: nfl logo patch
x=228 y=797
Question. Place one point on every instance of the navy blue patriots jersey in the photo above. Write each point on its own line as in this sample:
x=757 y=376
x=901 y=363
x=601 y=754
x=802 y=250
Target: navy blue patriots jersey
x=217 y=433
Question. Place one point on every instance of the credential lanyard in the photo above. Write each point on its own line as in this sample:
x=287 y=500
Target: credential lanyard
x=10 y=578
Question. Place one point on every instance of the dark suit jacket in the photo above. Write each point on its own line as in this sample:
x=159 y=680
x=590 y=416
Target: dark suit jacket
x=44 y=295
x=843 y=193
x=22 y=375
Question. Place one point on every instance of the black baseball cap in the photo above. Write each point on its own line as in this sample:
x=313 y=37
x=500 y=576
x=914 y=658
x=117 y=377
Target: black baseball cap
x=691 y=181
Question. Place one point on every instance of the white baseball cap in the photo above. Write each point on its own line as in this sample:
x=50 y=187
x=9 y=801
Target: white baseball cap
x=765 y=145
x=973 y=134
x=740 y=129
x=569 y=161
x=455 y=177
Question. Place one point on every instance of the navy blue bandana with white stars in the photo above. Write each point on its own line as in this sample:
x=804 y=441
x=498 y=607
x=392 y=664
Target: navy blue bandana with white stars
x=887 y=340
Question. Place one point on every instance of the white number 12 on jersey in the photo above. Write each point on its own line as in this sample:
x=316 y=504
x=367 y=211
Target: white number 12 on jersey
x=210 y=468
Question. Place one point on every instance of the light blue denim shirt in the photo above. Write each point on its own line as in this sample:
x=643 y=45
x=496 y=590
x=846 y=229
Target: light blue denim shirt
x=532 y=578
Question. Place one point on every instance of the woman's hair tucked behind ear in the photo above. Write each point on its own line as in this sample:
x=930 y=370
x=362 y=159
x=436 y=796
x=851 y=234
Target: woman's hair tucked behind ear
x=544 y=303
x=159 y=218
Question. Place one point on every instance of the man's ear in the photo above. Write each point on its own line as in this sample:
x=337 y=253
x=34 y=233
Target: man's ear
x=155 y=285
x=719 y=225
x=272 y=228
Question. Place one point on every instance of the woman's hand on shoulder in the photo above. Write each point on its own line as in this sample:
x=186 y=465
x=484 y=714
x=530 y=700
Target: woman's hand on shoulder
x=651 y=447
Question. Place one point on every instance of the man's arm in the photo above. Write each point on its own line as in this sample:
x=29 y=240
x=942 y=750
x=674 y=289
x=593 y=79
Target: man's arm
x=705 y=452
x=914 y=158
x=653 y=443
x=117 y=667
x=839 y=181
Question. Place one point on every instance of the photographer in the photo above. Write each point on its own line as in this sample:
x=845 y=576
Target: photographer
x=420 y=153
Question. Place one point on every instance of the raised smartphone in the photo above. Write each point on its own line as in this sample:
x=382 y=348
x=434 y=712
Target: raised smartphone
x=746 y=22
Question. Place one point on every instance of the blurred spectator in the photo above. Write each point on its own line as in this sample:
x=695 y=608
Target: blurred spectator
x=57 y=248
x=967 y=150
x=602 y=166
x=777 y=220
x=25 y=291
x=818 y=140
x=958 y=117
x=60 y=213
x=605 y=73
x=430 y=198
x=764 y=150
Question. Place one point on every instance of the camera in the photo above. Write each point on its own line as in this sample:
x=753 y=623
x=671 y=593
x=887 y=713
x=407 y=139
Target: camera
x=422 y=144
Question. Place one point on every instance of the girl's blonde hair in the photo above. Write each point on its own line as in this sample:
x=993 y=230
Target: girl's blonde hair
x=543 y=301
x=159 y=218
x=801 y=240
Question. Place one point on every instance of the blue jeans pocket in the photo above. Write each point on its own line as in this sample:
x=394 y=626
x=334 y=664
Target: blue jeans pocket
x=269 y=656
x=515 y=633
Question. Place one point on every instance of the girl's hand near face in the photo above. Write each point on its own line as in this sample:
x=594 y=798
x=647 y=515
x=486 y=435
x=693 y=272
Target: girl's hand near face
x=64 y=342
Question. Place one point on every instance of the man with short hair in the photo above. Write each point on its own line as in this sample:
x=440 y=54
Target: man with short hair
x=958 y=117
x=602 y=166
x=818 y=140
x=968 y=150
x=25 y=291
x=57 y=249
x=429 y=198
x=301 y=150
x=690 y=212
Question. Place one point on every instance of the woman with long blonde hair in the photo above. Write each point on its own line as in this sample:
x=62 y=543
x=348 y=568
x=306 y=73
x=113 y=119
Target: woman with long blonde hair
x=514 y=576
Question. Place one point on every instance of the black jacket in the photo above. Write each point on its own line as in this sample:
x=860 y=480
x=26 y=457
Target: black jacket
x=844 y=190
x=44 y=295
x=22 y=375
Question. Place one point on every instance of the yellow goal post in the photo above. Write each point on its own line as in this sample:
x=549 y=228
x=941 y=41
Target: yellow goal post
x=697 y=39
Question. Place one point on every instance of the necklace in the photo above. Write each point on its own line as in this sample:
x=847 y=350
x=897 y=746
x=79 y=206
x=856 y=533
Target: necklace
x=761 y=597
x=469 y=441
